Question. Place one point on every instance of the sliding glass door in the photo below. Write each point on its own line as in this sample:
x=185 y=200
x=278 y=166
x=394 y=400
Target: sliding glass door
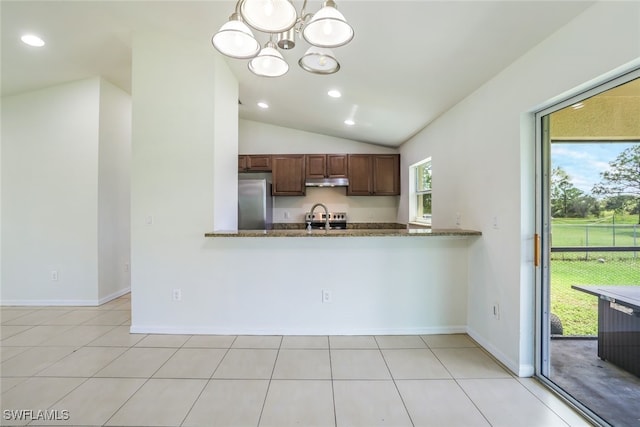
x=588 y=223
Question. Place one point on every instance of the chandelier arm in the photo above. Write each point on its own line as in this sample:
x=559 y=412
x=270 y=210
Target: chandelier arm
x=303 y=18
x=238 y=7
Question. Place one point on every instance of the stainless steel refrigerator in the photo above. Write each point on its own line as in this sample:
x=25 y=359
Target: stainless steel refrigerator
x=255 y=204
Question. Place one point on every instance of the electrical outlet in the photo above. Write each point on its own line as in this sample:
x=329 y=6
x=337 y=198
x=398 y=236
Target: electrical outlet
x=287 y=215
x=176 y=294
x=495 y=222
x=326 y=296
x=496 y=311
x=148 y=220
x=458 y=218
x=54 y=275
x=126 y=267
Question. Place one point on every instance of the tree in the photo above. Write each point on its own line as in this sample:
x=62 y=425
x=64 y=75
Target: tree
x=563 y=194
x=621 y=204
x=584 y=205
x=623 y=177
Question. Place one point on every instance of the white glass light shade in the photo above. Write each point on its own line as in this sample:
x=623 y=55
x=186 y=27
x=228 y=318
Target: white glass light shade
x=269 y=62
x=319 y=61
x=236 y=40
x=328 y=28
x=269 y=16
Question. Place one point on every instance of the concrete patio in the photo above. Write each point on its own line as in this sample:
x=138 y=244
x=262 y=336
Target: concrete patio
x=607 y=390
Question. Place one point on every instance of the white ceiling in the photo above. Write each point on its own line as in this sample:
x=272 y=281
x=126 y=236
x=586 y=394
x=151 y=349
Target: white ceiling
x=409 y=62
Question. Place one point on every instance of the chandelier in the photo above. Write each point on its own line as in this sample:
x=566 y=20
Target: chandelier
x=323 y=30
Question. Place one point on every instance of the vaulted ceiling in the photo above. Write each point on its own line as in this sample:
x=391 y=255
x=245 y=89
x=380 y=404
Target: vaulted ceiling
x=409 y=62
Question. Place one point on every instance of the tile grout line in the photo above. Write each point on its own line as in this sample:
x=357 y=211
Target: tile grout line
x=2 y=323
x=35 y=374
x=264 y=402
x=38 y=343
x=208 y=381
x=541 y=401
x=136 y=390
x=395 y=385
x=79 y=385
x=4 y=338
x=333 y=392
x=62 y=397
x=458 y=384
x=146 y=380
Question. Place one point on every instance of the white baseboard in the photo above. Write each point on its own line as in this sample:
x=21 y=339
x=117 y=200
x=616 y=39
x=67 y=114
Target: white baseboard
x=65 y=302
x=214 y=330
x=114 y=295
x=521 y=370
x=51 y=302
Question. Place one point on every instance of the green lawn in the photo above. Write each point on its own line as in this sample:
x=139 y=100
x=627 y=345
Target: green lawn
x=577 y=310
x=596 y=232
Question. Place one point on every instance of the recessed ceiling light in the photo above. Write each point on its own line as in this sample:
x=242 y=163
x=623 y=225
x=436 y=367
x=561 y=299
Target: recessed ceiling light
x=349 y=122
x=334 y=93
x=32 y=40
x=263 y=105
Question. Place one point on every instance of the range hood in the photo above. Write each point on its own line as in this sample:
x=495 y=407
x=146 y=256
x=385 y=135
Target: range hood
x=327 y=182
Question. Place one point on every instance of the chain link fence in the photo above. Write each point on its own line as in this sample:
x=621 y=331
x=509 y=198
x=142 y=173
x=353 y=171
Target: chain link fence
x=591 y=254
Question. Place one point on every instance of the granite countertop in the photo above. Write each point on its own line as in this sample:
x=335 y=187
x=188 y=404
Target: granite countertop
x=351 y=232
x=350 y=226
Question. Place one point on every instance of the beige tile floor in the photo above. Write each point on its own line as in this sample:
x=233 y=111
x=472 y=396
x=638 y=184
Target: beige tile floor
x=83 y=363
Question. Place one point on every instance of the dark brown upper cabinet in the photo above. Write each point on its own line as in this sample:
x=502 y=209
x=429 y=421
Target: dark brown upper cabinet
x=288 y=175
x=374 y=174
x=254 y=163
x=326 y=165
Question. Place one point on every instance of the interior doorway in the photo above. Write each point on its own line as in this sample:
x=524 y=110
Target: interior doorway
x=588 y=220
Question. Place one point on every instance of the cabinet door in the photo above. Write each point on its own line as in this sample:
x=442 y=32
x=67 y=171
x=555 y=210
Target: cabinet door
x=336 y=166
x=288 y=175
x=359 y=175
x=261 y=163
x=316 y=165
x=242 y=163
x=386 y=175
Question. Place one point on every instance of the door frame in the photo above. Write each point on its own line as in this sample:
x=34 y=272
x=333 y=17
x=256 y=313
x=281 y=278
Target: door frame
x=543 y=224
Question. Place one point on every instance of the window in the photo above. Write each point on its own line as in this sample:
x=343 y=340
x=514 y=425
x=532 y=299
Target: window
x=420 y=188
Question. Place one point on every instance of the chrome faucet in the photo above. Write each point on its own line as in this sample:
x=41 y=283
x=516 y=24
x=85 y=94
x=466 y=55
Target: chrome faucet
x=326 y=214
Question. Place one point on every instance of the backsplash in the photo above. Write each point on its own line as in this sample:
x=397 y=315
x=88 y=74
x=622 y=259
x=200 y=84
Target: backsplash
x=358 y=208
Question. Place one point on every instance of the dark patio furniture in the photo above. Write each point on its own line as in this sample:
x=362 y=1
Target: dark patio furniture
x=618 y=324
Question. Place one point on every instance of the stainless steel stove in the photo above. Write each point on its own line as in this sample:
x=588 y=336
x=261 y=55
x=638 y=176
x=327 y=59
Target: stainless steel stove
x=337 y=220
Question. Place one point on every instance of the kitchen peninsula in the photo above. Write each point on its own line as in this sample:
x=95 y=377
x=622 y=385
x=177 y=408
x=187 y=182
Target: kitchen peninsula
x=354 y=281
x=352 y=232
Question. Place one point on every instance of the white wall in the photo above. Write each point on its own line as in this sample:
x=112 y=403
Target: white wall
x=384 y=285
x=261 y=138
x=114 y=164
x=49 y=194
x=483 y=156
x=235 y=285
x=65 y=194
x=173 y=165
x=225 y=159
